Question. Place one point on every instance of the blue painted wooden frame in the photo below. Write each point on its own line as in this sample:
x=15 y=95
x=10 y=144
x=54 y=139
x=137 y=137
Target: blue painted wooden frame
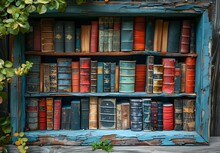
x=203 y=38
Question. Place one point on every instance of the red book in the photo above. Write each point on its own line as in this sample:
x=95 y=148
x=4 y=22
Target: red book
x=85 y=74
x=168 y=118
x=190 y=74
x=57 y=114
x=168 y=75
x=75 y=76
x=42 y=114
x=185 y=36
x=37 y=36
x=140 y=77
x=94 y=37
x=139 y=33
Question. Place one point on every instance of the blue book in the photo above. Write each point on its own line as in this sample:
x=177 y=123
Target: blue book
x=75 y=115
x=69 y=36
x=149 y=40
x=136 y=113
x=100 y=77
x=147 y=114
x=177 y=82
x=84 y=113
x=113 y=67
x=127 y=31
x=78 y=40
x=58 y=36
x=106 y=77
x=160 y=115
x=66 y=118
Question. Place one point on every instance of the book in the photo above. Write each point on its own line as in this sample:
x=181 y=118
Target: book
x=177 y=80
x=106 y=77
x=78 y=40
x=127 y=33
x=136 y=114
x=192 y=45
x=84 y=107
x=75 y=76
x=165 y=37
x=94 y=36
x=190 y=74
x=140 y=77
x=139 y=33
x=189 y=114
x=125 y=113
x=150 y=25
x=185 y=36
x=85 y=64
x=160 y=115
x=32 y=113
x=146 y=114
x=37 y=36
x=50 y=115
x=116 y=78
x=66 y=118
x=178 y=114
x=106 y=34
x=42 y=110
x=100 y=77
x=119 y=116
x=158 y=35
x=168 y=118
x=59 y=36
x=168 y=75
x=93 y=76
x=29 y=37
x=127 y=76
x=46 y=77
x=93 y=113
x=112 y=77
x=53 y=77
x=85 y=38
x=183 y=77
x=101 y=34
x=110 y=40
x=157 y=78
x=69 y=36
x=116 y=34
x=47 y=35
x=107 y=113
x=174 y=36
x=75 y=115
x=149 y=74
x=57 y=114
x=154 y=115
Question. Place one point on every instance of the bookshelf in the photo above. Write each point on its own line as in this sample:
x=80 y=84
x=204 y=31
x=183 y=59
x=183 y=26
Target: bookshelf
x=197 y=11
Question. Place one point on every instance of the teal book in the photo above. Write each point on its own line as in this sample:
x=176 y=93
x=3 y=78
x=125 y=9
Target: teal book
x=174 y=32
x=146 y=114
x=160 y=115
x=113 y=68
x=106 y=77
x=75 y=115
x=84 y=113
x=66 y=118
x=178 y=114
x=149 y=40
x=177 y=81
x=58 y=36
x=69 y=36
x=127 y=32
x=101 y=34
x=136 y=114
x=116 y=34
x=100 y=77
x=78 y=40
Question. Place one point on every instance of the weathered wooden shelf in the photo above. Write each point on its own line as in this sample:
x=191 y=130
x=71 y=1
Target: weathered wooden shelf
x=107 y=94
x=110 y=54
x=116 y=137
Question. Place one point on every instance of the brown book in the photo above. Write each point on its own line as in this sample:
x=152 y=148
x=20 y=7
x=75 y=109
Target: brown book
x=117 y=78
x=75 y=76
x=190 y=74
x=85 y=38
x=37 y=36
x=183 y=77
x=93 y=113
x=46 y=77
x=188 y=114
x=47 y=35
x=185 y=36
x=57 y=114
x=42 y=77
x=53 y=77
x=119 y=117
x=125 y=113
x=165 y=36
x=158 y=35
x=157 y=78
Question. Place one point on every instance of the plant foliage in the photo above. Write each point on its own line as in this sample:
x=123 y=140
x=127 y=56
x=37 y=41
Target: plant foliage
x=21 y=142
x=104 y=145
x=5 y=133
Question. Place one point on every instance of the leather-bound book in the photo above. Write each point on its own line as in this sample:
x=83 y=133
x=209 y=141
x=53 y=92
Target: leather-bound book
x=168 y=75
x=189 y=114
x=183 y=77
x=93 y=76
x=69 y=36
x=50 y=115
x=149 y=40
x=116 y=34
x=106 y=76
x=190 y=74
x=46 y=77
x=106 y=34
x=174 y=36
x=168 y=118
x=75 y=76
x=78 y=40
x=154 y=116
x=66 y=118
x=85 y=64
x=192 y=45
x=75 y=115
x=185 y=36
x=100 y=77
x=127 y=76
x=42 y=111
x=101 y=34
x=110 y=33
x=158 y=35
x=136 y=114
x=29 y=37
x=160 y=115
x=47 y=35
x=178 y=114
x=107 y=113
x=32 y=113
x=41 y=77
x=84 y=113
x=93 y=113
x=125 y=113
x=116 y=78
x=85 y=38
x=94 y=37
x=119 y=116
x=59 y=36
x=127 y=34
x=140 y=78
x=177 y=80
x=149 y=74
x=157 y=78
x=112 y=77
x=147 y=114
x=139 y=33
x=165 y=37
x=53 y=77
x=37 y=36
x=57 y=114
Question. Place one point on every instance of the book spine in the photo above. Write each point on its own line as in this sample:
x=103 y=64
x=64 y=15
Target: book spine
x=41 y=78
x=154 y=116
x=177 y=82
x=69 y=36
x=149 y=34
x=190 y=74
x=85 y=64
x=112 y=77
x=106 y=35
x=127 y=34
x=168 y=118
x=192 y=48
x=119 y=117
x=139 y=33
x=165 y=37
x=50 y=117
x=106 y=77
x=93 y=76
x=100 y=77
x=160 y=115
x=75 y=76
x=183 y=77
x=93 y=113
x=125 y=112
x=140 y=78
x=29 y=37
x=110 y=40
x=57 y=114
x=47 y=35
x=42 y=114
x=116 y=35
x=78 y=40
x=84 y=113
x=53 y=77
x=158 y=35
x=147 y=114
x=85 y=38
x=101 y=34
x=136 y=111
x=94 y=37
x=32 y=113
x=185 y=36
x=58 y=36
x=149 y=74
x=178 y=114
x=188 y=115
x=107 y=113
x=116 y=78
x=37 y=36
x=66 y=118
x=46 y=77
x=157 y=78
x=75 y=115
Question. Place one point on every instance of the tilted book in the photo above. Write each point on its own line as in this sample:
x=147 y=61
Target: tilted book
x=69 y=36
x=116 y=34
x=75 y=76
x=66 y=118
x=139 y=33
x=149 y=40
x=94 y=36
x=78 y=40
x=158 y=31
x=157 y=78
x=149 y=74
x=190 y=74
x=75 y=115
x=146 y=114
x=136 y=114
x=100 y=77
x=189 y=114
x=57 y=114
x=53 y=77
x=178 y=114
x=93 y=113
x=185 y=36
x=85 y=64
x=47 y=35
x=85 y=38
x=106 y=76
x=50 y=115
x=32 y=113
x=84 y=107
x=59 y=36
x=168 y=118
x=93 y=76
x=42 y=114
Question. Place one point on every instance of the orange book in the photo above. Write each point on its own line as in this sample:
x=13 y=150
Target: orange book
x=158 y=35
x=116 y=78
x=75 y=76
x=139 y=33
x=165 y=36
x=85 y=38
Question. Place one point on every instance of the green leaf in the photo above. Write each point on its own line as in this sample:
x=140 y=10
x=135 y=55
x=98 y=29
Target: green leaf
x=21 y=134
x=2 y=77
x=28 y=1
x=31 y=8
x=42 y=1
x=1 y=87
x=41 y=9
x=2 y=63
x=9 y=72
x=25 y=139
x=6 y=129
x=8 y=64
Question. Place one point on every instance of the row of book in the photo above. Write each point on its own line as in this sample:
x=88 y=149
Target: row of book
x=88 y=75
x=110 y=34
x=108 y=113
